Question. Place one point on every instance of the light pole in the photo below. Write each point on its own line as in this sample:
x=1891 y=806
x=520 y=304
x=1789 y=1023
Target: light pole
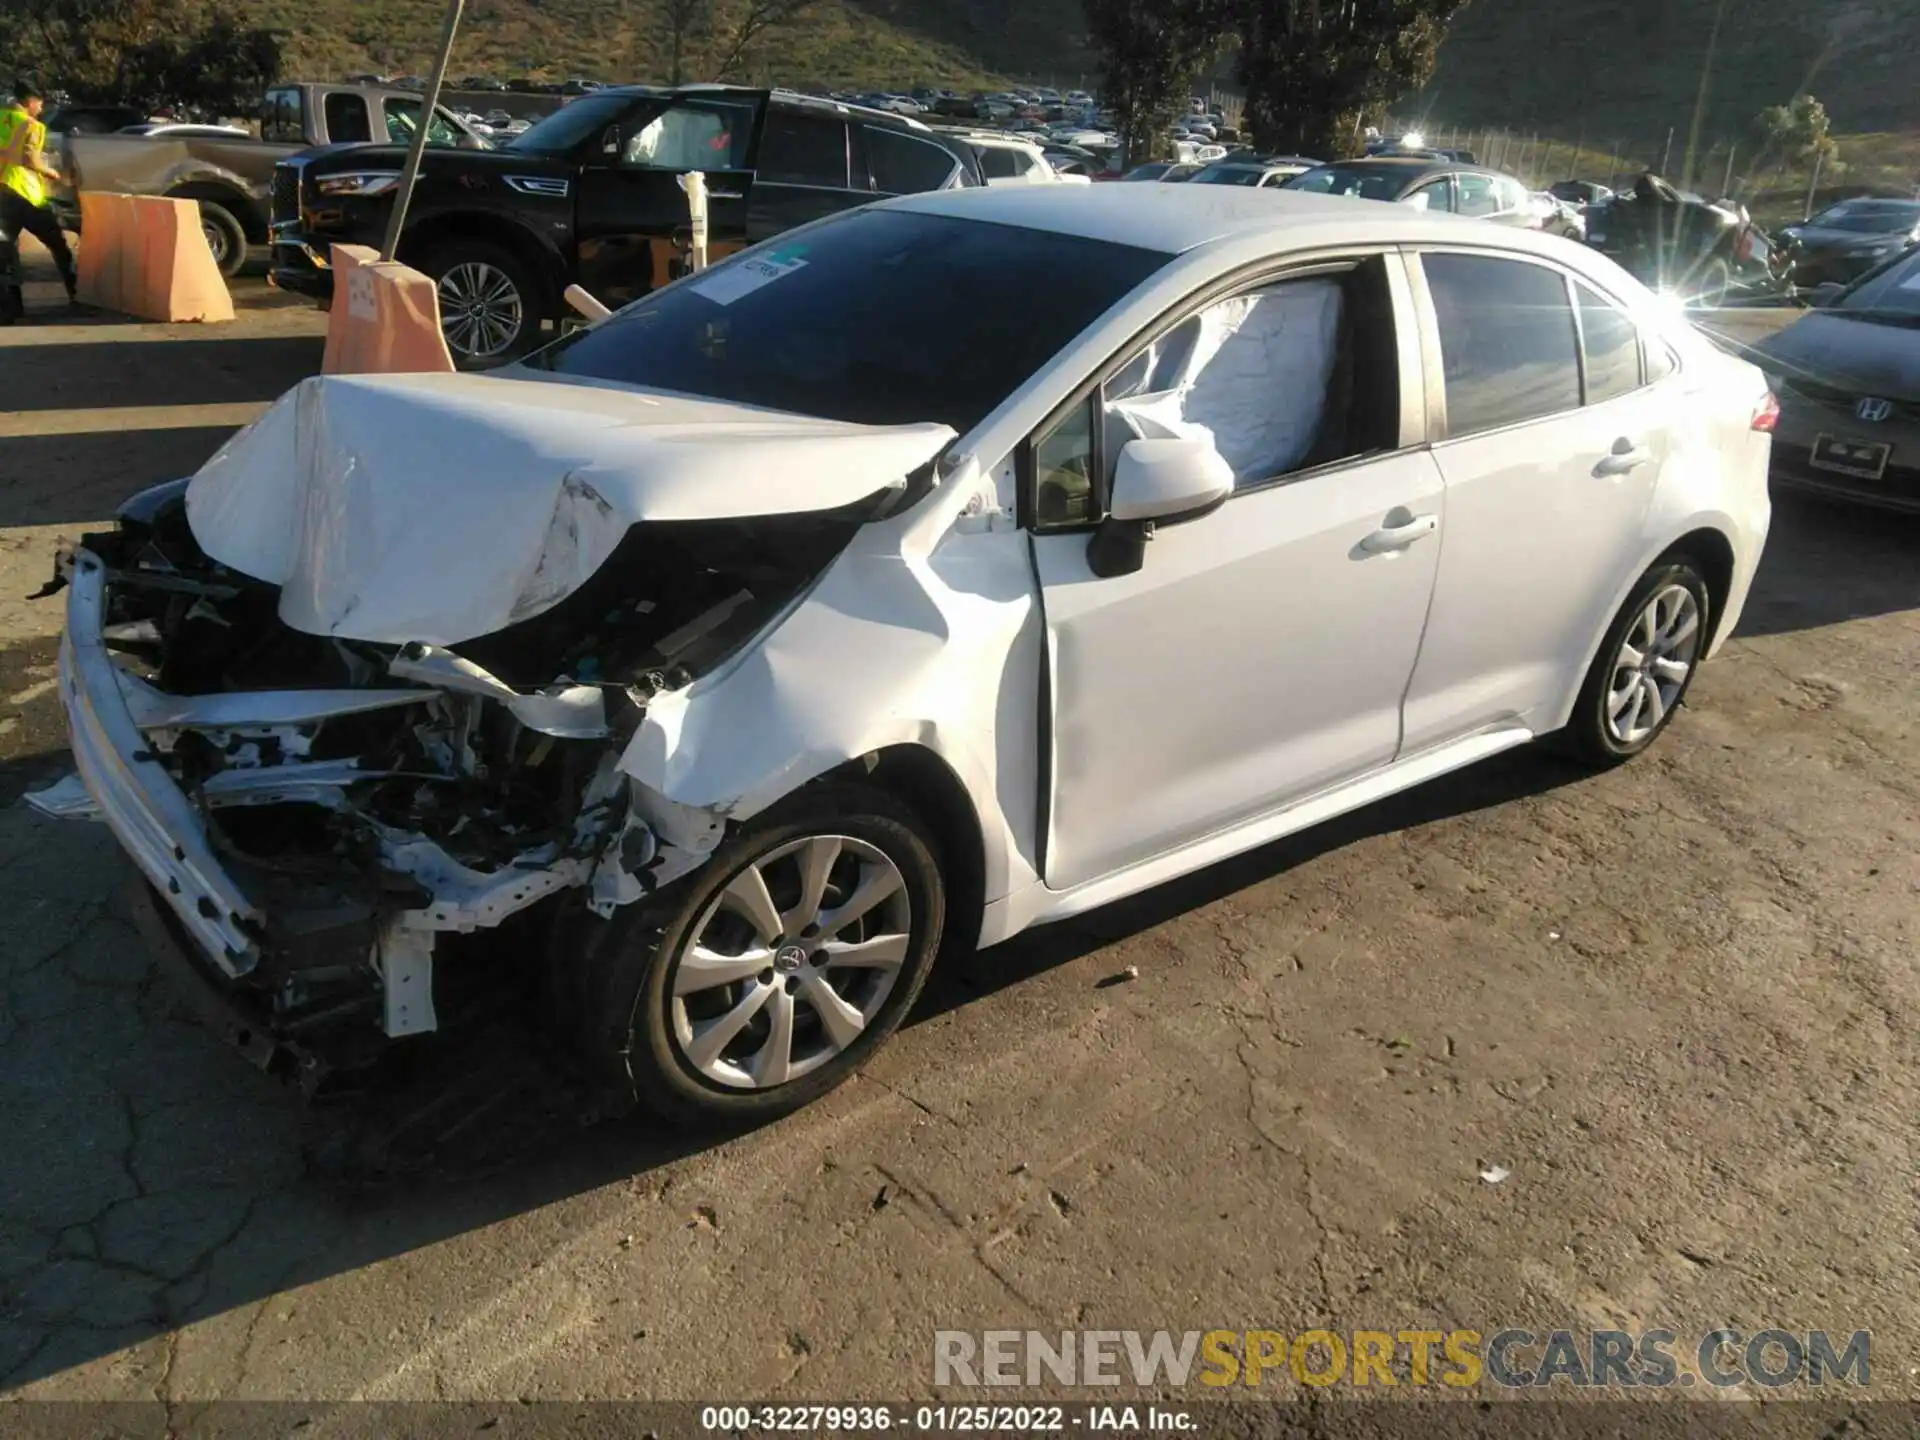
x=429 y=106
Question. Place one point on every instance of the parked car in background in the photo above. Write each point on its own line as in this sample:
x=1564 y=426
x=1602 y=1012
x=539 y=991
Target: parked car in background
x=1003 y=159
x=482 y=82
x=1847 y=239
x=1704 y=252
x=1580 y=192
x=753 y=648
x=1426 y=183
x=1166 y=170
x=182 y=130
x=1557 y=217
x=230 y=172
x=592 y=195
x=1848 y=377
x=1255 y=174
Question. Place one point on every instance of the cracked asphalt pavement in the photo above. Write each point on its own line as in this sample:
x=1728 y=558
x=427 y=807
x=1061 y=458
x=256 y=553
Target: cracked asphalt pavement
x=1677 y=1002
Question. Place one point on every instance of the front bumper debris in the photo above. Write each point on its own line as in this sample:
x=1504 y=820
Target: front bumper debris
x=133 y=793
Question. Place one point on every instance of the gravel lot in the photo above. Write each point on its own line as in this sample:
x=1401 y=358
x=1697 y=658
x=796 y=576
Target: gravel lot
x=1678 y=1002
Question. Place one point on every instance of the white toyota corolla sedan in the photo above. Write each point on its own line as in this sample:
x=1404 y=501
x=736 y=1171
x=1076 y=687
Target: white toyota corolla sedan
x=935 y=571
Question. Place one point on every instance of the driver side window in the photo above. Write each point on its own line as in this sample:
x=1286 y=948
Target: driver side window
x=1266 y=377
x=687 y=137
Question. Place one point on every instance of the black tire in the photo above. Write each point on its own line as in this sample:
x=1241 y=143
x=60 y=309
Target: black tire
x=451 y=265
x=1592 y=735
x=226 y=237
x=613 y=978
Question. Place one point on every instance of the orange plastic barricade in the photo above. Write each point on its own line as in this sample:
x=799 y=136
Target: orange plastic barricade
x=385 y=318
x=105 y=219
x=177 y=274
x=147 y=256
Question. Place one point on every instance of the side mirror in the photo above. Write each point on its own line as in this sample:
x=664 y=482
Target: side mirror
x=1825 y=294
x=1156 y=482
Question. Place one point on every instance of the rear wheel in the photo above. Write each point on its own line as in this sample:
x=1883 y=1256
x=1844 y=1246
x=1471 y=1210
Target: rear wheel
x=1712 y=284
x=1645 y=666
x=772 y=973
x=489 y=311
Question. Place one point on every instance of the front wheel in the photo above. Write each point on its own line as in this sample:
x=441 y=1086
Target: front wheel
x=1645 y=666
x=489 y=310
x=771 y=974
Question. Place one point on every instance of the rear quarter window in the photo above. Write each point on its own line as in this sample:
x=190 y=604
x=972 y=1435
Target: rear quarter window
x=903 y=164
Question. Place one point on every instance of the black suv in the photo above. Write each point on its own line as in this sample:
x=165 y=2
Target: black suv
x=593 y=195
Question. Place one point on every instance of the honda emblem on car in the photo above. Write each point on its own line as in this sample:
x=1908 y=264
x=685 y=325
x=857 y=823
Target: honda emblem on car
x=1872 y=408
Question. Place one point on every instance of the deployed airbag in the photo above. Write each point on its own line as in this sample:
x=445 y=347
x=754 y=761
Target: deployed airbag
x=438 y=508
x=1249 y=374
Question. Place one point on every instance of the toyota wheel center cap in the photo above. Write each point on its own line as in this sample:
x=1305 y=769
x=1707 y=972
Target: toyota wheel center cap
x=789 y=958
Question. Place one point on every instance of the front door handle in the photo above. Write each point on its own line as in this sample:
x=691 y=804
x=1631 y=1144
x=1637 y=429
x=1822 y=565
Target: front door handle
x=726 y=195
x=1403 y=530
x=1624 y=459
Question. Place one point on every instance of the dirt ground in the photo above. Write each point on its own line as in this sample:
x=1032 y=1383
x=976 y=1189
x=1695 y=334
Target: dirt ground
x=1678 y=1002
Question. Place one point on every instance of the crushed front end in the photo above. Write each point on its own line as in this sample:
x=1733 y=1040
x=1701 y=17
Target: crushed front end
x=322 y=823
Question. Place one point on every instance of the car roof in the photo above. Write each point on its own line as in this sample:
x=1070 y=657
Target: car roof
x=1177 y=218
x=1412 y=165
x=786 y=99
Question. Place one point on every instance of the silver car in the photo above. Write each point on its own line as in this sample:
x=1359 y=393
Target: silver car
x=1848 y=379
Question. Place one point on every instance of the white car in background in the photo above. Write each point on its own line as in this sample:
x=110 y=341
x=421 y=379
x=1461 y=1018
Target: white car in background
x=939 y=569
x=1007 y=160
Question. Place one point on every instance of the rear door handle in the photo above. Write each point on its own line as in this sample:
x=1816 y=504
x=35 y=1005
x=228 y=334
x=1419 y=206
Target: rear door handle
x=1625 y=458
x=1407 y=529
x=726 y=195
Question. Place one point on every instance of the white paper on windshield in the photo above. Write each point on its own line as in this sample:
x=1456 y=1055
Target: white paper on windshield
x=743 y=277
x=1912 y=282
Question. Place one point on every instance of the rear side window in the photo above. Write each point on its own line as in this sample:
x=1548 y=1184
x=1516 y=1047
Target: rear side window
x=803 y=150
x=904 y=164
x=1507 y=341
x=347 y=122
x=1610 y=345
x=1477 y=195
x=996 y=163
x=281 y=121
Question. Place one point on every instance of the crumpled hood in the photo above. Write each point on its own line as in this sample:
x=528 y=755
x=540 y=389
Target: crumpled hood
x=438 y=508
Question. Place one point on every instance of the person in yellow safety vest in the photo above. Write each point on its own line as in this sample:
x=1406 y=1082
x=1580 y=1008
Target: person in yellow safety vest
x=24 y=205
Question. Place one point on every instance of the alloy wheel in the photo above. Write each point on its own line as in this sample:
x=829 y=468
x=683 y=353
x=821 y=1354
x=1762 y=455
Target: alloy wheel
x=1651 y=667
x=791 y=962
x=481 y=310
x=217 y=241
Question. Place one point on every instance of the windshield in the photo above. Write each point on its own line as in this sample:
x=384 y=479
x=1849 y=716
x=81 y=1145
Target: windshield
x=1368 y=184
x=1889 y=295
x=881 y=317
x=1868 y=219
x=1228 y=175
x=571 y=124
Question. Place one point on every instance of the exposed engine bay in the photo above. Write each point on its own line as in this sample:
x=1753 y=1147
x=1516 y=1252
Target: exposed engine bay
x=383 y=808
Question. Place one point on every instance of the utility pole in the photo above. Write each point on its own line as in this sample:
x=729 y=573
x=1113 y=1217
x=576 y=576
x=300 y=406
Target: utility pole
x=1700 y=96
x=429 y=107
x=1819 y=159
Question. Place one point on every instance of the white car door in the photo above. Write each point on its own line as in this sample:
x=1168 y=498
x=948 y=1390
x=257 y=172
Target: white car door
x=1261 y=652
x=1546 y=495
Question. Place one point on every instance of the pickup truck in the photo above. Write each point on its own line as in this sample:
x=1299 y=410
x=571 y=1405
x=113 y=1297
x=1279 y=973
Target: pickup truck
x=231 y=175
x=593 y=196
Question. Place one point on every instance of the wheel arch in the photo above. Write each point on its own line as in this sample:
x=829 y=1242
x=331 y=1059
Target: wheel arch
x=1712 y=552
x=924 y=782
x=433 y=231
x=236 y=202
x=1710 y=547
